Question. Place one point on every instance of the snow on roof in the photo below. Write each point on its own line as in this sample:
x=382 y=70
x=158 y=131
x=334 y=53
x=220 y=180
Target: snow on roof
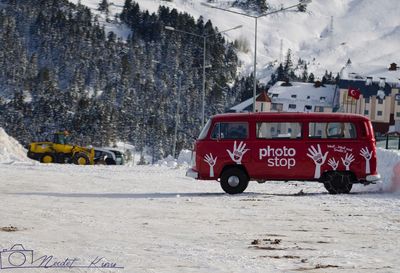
x=304 y=95
x=247 y=104
x=242 y=106
x=375 y=72
x=303 y=92
x=367 y=90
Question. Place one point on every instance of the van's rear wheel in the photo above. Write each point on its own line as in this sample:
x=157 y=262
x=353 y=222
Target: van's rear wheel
x=337 y=182
x=234 y=181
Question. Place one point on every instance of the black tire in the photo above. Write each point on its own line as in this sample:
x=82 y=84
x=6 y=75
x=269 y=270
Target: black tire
x=110 y=161
x=47 y=158
x=234 y=181
x=337 y=182
x=81 y=159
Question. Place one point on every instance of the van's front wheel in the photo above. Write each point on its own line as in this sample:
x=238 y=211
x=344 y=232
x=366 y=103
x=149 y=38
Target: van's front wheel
x=234 y=181
x=337 y=182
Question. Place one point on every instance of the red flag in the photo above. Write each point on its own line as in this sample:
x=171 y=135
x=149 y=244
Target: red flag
x=354 y=92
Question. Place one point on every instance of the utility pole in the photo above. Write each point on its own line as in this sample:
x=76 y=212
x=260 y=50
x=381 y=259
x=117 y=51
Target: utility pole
x=255 y=17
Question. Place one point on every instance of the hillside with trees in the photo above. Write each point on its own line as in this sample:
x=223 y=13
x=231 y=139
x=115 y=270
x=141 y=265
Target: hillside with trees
x=60 y=70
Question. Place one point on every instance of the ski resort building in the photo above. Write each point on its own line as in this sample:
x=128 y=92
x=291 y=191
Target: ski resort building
x=379 y=97
x=292 y=97
x=302 y=97
x=376 y=96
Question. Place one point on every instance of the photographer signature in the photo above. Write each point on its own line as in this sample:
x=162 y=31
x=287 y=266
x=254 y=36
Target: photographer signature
x=19 y=257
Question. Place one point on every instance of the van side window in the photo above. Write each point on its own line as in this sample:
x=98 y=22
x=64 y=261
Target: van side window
x=270 y=130
x=324 y=130
x=230 y=130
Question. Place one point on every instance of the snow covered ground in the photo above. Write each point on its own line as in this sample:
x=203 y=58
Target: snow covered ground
x=154 y=219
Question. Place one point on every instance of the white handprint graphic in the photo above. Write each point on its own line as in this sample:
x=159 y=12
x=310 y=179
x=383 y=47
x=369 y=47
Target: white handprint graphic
x=238 y=152
x=211 y=162
x=318 y=158
x=347 y=161
x=333 y=163
x=367 y=156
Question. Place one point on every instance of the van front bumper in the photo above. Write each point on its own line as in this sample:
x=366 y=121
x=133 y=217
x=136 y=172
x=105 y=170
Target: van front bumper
x=192 y=173
x=373 y=178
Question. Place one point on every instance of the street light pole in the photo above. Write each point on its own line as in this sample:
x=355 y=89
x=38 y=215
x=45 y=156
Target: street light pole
x=203 y=89
x=204 y=61
x=301 y=3
x=255 y=66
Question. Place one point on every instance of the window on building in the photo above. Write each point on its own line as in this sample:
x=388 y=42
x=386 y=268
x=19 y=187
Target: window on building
x=230 y=130
x=322 y=99
x=319 y=109
x=398 y=102
x=366 y=112
x=270 y=130
x=293 y=96
x=332 y=130
x=292 y=106
x=379 y=113
x=275 y=95
x=366 y=100
x=380 y=101
x=397 y=114
x=277 y=107
x=308 y=97
x=307 y=108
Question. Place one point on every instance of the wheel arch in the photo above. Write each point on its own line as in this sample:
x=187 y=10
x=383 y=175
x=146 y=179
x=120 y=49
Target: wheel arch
x=325 y=175
x=232 y=166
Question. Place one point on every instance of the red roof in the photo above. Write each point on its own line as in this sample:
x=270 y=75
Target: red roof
x=263 y=97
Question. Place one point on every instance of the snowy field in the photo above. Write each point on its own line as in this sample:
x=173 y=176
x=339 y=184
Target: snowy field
x=154 y=219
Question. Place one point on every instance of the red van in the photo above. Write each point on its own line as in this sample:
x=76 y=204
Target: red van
x=335 y=149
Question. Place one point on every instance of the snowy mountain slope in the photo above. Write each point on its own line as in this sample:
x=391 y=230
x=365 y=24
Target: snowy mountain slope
x=330 y=32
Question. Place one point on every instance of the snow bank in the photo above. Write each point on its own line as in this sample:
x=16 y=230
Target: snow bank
x=169 y=161
x=387 y=161
x=11 y=150
x=184 y=159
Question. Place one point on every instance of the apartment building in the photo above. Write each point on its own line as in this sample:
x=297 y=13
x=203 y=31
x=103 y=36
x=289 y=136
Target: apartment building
x=379 y=100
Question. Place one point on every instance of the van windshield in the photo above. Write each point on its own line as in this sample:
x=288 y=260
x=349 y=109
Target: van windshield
x=204 y=132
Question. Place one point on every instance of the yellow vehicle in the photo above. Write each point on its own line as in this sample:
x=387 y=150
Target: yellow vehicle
x=60 y=151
